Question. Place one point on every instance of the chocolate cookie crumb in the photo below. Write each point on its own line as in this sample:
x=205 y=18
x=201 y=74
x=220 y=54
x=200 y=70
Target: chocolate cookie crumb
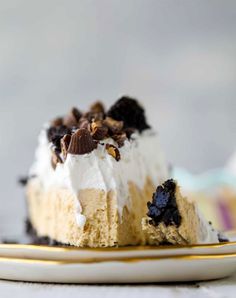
x=222 y=238
x=56 y=133
x=129 y=111
x=23 y=180
x=163 y=207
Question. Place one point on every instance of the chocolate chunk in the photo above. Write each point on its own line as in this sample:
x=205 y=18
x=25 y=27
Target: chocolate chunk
x=97 y=107
x=130 y=112
x=81 y=142
x=113 y=151
x=113 y=125
x=65 y=142
x=163 y=207
x=72 y=118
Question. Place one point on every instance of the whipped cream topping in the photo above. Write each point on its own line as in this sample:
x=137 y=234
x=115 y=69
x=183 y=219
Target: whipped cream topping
x=141 y=157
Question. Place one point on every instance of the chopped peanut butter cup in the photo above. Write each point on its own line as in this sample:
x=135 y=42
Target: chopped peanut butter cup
x=120 y=138
x=97 y=107
x=65 y=143
x=56 y=158
x=113 y=151
x=98 y=130
x=81 y=142
x=113 y=125
x=57 y=122
x=72 y=118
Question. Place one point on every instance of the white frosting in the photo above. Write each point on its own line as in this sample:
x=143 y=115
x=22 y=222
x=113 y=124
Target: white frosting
x=140 y=157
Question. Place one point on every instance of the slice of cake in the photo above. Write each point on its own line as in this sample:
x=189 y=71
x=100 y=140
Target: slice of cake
x=173 y=219
x=93 y=175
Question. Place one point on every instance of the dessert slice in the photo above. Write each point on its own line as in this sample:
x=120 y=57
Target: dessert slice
x=93 y=175
x=173 y=219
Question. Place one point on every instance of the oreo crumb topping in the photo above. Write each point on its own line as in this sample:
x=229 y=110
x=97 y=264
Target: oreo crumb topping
x=56 y=133
x=23 y=180
x=163 y=207
x=80 y=133
x=9 y=241
x=130 y=112
x=39 y=240
x=222 y=238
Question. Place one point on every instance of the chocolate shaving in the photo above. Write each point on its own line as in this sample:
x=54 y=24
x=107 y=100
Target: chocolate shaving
x=81 y=142
x=113 y=125
x=72 y=118
x=65 y=142
x=97 y=107
x=113 y=151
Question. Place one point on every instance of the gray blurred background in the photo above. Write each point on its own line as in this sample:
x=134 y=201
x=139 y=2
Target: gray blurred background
x=178 y=57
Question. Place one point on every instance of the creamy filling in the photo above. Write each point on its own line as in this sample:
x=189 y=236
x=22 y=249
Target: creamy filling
x=140 y=158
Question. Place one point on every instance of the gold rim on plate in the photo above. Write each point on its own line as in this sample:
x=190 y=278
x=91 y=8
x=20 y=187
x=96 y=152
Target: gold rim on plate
x=124 y=259
x=102 y=249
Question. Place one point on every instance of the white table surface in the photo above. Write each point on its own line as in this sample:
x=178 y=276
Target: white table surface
x=215 y=289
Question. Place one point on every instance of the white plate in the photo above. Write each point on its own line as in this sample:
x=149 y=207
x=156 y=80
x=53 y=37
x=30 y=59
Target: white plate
x=40 y=252
x=126 y=270
x=117 y=265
